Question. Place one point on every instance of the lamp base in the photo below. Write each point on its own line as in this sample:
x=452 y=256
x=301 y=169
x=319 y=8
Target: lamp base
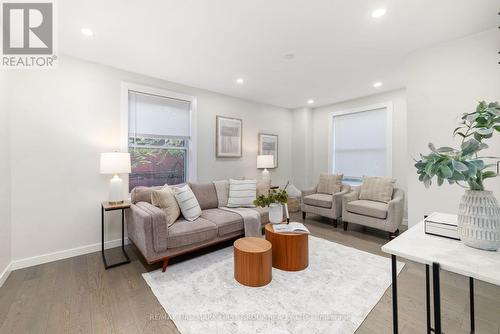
x=265 y=175
x=116 y=195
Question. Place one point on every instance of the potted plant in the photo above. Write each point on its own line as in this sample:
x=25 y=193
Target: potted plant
x=479 y=213
x=274 y=200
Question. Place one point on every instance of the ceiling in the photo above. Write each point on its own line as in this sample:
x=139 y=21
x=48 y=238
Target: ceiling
x=339 y=49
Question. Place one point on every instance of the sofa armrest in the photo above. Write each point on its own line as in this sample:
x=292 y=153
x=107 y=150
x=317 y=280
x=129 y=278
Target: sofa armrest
x=396 y=210
x=307 y=192
x=147 y=227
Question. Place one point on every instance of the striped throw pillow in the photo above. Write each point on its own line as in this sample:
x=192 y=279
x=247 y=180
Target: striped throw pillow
x=188 y=203
x=242 y=193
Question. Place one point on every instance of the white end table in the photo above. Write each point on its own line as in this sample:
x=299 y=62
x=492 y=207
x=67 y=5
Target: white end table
x=445 y=254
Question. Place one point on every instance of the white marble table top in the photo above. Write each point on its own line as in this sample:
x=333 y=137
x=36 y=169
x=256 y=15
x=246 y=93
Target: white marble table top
x=452 y=255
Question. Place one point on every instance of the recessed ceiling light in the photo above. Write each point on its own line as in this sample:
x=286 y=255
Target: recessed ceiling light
x=240 y=81
x=87 y=32
x=289 y=56
x=377 y=13
x=310 y=101
x=377 y=84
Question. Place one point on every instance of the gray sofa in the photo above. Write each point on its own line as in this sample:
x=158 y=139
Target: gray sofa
x=147 y=228
x=325 y=205
x=383 y=216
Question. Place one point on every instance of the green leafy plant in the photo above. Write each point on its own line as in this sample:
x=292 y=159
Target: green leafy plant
x=464 y=166
x=274 y=196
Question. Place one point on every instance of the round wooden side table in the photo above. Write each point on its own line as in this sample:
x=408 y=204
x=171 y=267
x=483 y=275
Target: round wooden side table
x=253 y=261
x=290 y=250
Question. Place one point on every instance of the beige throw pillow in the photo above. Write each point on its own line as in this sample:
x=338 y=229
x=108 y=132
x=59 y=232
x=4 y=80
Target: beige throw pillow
x=188 y=203
x=377 y=188
x=165 y=200
x=330 y=183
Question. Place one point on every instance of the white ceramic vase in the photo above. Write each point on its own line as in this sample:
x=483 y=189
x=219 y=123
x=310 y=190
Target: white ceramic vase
x=275 y=213
x=479 y=220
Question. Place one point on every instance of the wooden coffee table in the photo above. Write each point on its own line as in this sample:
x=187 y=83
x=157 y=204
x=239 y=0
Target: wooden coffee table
x=253 y=261
x=290 y=250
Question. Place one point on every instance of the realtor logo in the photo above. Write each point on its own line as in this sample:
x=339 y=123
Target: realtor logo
x=28 y=34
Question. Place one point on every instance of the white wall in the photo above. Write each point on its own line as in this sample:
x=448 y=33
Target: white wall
x=5 y=224
x=62 y=119
x=302 y=157
x=321 y=124
x=443 y=82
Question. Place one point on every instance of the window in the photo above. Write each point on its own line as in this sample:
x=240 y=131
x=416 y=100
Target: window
x=159 y=139
x=361 y=142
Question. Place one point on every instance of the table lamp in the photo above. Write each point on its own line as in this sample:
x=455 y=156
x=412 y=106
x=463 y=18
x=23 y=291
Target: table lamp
x=115 y=163
x=265 y=161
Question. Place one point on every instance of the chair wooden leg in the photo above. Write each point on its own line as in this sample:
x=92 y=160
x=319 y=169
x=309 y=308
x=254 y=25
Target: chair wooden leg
x=165 y=264
x=303 y=215
x=335 y=223
x=345 y=226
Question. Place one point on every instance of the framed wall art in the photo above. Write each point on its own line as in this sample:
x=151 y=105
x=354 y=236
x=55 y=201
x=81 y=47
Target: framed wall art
x=228 y=137
x=268 y=145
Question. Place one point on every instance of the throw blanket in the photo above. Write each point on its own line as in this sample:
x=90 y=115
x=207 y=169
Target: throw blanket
x=251 y=217
x=251 y=220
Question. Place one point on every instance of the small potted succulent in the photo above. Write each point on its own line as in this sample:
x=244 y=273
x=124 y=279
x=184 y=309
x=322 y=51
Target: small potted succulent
x=479 y=212
x=274 y=200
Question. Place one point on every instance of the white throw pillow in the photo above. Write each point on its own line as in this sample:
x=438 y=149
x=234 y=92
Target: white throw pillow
x=188 y=203
x=242 y=193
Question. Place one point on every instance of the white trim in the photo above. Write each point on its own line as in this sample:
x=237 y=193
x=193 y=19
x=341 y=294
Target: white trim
x=5 y=274
x=384 y=105
x=64 y=254
x=128 y=86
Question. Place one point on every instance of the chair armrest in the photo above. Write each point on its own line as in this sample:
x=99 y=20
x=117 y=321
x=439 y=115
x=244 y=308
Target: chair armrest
x=344 y=190
x=396 y=209
x=352 y=195
x=337 y=199
x=307 y=192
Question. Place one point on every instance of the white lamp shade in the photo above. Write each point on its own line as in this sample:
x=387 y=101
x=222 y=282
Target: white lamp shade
x=115 y=163
x=265 y=161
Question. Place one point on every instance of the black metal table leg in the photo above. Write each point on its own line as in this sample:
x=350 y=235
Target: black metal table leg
x=394 y=294
x=437 y=298
x=428 y=298
x=471 y=296
x=106 y=266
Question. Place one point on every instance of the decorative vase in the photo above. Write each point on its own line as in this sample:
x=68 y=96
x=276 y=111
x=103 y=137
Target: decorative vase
x=275 y=213
x=479 y=220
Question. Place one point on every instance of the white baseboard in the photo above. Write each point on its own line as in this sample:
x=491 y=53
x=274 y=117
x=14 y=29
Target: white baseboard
x=5 y=274
x=64 y=254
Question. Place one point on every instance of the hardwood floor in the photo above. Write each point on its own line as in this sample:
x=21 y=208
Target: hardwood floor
x=77 y=295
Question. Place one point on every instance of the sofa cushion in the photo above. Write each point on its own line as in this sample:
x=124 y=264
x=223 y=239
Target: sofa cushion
x=188 y=203
x=226 y=221
x=368 y=208
x=330 y=183
x=377 y=188
x=183 y=232
x=264 y=214
x=321 y=200
x=205 y=194
x=222 y=191
x=242 y=193
x=165 y=200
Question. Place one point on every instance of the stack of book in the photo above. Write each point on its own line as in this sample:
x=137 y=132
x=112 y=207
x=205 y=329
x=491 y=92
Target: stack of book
x=442 y=224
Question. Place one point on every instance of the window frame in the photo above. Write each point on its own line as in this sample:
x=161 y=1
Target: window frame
x=388 y=134
x=126 y=87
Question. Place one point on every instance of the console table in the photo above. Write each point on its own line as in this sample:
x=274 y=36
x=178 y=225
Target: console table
x=445 y=254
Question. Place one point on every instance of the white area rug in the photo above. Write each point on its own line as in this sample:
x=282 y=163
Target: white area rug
x=333 y=295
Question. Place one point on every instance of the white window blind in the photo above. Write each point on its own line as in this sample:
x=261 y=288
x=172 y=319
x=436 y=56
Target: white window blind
x=157 y=115
x=360 y=145
x=159 y=139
